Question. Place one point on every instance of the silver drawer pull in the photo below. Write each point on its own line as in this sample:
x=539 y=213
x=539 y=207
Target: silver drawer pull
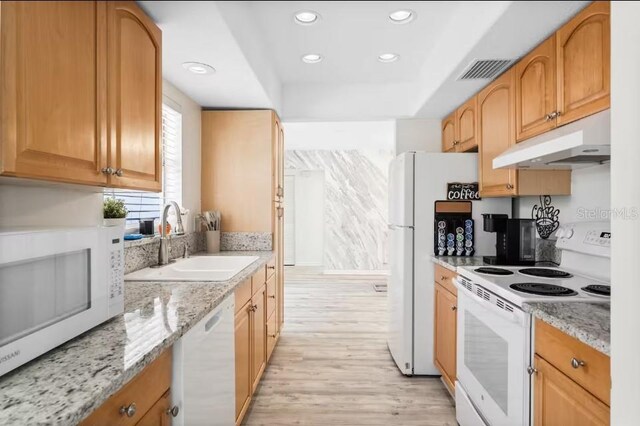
x=129 y=410
x=577 y=363
x=173 y=411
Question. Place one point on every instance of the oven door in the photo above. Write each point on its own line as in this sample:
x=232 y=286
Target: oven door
x=493 y=355
x=53 y=287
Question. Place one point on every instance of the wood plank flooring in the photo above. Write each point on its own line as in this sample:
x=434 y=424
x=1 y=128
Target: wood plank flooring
x=332 y=365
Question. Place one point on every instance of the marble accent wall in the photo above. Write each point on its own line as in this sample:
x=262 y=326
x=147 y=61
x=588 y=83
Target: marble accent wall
x=355 y=205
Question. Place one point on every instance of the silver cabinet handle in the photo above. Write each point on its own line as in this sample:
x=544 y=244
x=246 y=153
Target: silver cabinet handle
x=454 y=308
x=107 y=170
x=442 y=278
x=129 y=410
x=577 y=363
x=531 y=370
x=272 y=296
x=119 y=172
x=509 y=186
x=173 y=411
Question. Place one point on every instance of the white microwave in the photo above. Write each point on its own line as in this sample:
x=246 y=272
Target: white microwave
x=55 y=284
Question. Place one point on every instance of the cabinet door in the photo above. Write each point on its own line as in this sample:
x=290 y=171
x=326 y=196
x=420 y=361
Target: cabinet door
x=135 y=97
x=280 y=238
x=559 y=401
x=583 y=58
x=496 y=133
x=259 y=334
x=53 y=77
x=449 y=133
x=445 y=334
x=536 y=91
x=243 y=359
x=159 y=414
x=466 y=126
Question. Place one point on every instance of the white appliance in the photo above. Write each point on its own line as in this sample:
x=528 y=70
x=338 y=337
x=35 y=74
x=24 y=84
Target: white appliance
x=55 y=284
x=203 y=384
x=579 y=144
x=495 y=345
x=416 y=181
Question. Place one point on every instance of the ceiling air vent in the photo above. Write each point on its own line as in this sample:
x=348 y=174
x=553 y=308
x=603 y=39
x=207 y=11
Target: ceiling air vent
x=484 y=69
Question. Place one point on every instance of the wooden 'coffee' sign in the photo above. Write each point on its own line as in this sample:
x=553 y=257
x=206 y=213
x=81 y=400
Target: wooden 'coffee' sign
x=463 y=191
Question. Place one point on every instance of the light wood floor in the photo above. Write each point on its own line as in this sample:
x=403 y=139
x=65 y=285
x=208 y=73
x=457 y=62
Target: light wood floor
x=332 y=365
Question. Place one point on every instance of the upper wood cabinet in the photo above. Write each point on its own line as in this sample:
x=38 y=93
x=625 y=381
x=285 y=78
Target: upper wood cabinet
x=53 y=103
x=536 y=91
x=459 y=129
x=496 y=134
x=583 y=56
x=449 y=133
x=135 y=97
x=62 y=64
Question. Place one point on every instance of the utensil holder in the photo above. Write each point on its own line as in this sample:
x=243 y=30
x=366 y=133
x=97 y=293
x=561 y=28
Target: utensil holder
x=213 y=241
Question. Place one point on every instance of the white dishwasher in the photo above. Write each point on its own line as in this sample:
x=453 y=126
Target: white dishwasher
x=204 y=371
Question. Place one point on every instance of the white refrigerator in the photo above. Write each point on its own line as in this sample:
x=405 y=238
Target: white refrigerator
x=416 y=181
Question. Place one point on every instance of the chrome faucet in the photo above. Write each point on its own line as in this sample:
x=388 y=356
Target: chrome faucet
x=163 y=253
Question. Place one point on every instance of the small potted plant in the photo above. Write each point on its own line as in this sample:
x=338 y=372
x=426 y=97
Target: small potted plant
x=114 y=212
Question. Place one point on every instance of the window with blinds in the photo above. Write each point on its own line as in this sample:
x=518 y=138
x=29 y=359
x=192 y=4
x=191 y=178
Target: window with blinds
x=143 y=205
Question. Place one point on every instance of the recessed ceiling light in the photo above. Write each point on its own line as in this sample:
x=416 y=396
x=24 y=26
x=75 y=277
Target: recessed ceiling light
x=198 y=68
x=402 y=16
x=388 y=57
x=306 y=17
x=312 y=58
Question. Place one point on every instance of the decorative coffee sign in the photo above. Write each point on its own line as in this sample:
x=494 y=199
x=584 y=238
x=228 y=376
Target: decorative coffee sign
x=463 y=191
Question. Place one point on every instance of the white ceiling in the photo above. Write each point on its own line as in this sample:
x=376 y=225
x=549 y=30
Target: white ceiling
x=256 y=49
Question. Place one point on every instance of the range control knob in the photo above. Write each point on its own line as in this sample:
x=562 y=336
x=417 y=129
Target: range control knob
x=568 y=233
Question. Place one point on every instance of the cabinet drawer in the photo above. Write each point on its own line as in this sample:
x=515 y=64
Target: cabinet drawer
x=271 y=268
x=258 y=280
x=144 y=391
x=243 y=294
x=444 y=277
x=564 y=352
x=271 y=295
x=272 y=334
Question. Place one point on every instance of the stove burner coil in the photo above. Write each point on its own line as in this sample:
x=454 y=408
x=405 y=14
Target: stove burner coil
x=598 y=289
x=545 y=273
x=493 y=271
x=543 y=289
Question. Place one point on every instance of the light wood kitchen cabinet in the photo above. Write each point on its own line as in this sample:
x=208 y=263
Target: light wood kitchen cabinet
x=135 y=97
x=82 y=86
x=459 y=129
x=572 y=381
x=536 y=91
x=255 y=338
x=496 y=134
x=259 y=335
x=449 y=133
x=243 y=339
x=445 y=334
x=559 y=401
x=141 y=400
x=583 y=57
x=53 y=103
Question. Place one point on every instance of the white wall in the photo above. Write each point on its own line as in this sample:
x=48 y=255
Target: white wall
x=340 y=135
x=625 y=197
x=418 y=134
x=191 y=163
x=590 y=197
x=309 y=217
x=33 y=203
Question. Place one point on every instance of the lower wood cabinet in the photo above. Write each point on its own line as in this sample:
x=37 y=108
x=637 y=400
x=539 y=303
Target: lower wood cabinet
x=445 y=324
x=145 y=400
x=572 y=381
x=256 y=333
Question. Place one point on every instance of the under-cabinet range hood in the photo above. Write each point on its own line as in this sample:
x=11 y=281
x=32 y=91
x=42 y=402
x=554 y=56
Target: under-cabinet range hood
x=583 y=143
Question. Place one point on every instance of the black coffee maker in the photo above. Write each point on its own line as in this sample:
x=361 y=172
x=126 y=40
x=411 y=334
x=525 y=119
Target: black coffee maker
x=515 y=240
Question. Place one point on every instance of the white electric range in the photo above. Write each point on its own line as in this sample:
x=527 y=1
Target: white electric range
x=494 y=342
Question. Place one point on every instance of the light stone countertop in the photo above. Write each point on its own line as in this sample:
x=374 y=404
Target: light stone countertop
x=452 y=262
x=590 y=323
x=65 y=385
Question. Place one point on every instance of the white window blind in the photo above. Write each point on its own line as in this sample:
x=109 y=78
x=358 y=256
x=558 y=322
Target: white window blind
x=143 y=205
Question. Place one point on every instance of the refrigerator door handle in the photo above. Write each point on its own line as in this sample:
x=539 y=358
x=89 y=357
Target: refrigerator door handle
x=399 y=227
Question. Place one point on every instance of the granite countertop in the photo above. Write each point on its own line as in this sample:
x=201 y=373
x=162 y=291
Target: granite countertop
x=452 y=262
x=590 y=323
x=66 y=384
